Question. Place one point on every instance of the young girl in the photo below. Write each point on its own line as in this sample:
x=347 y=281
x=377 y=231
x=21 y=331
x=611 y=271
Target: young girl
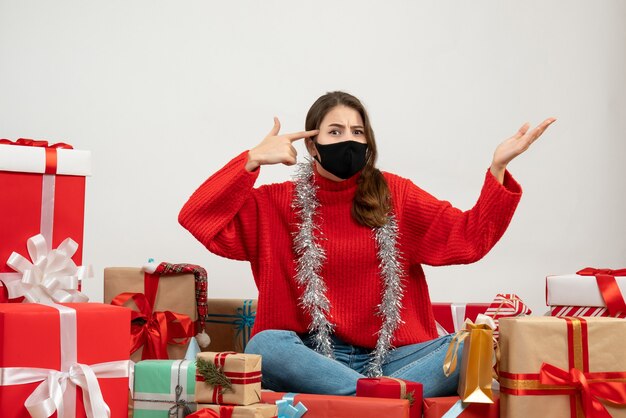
x=336 y=254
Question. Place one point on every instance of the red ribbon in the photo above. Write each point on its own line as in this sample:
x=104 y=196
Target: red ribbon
x=51 y=150
x=591 y=390
x=608 y=287
x=159 y=328
x=204 y=413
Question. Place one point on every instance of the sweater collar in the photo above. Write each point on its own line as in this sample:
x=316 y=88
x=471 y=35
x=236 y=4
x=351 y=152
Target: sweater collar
x=330 y=185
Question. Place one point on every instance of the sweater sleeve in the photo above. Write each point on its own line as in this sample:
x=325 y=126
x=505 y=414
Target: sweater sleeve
x=440 y=234
x=222 y=212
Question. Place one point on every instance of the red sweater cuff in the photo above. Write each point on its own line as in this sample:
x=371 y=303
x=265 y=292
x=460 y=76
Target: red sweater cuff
x=509 y=185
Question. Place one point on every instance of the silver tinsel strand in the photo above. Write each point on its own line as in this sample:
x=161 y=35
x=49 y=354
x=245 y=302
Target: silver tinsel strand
x=389 y=309
x=311 y=259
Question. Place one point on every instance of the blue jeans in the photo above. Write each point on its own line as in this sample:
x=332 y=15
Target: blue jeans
x=289 y=364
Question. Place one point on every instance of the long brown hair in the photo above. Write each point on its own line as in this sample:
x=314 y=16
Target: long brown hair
x=372 y=201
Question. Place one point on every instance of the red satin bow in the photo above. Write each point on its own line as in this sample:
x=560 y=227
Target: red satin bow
x=591 y=390
x=159 y=329
x=34 y=143
x=608 y=287
x=204 y=413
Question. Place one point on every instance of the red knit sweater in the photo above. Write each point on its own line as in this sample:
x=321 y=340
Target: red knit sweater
x=235 y=220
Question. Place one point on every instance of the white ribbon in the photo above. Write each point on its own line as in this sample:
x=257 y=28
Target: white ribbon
x=57 y=390
x=51 y=276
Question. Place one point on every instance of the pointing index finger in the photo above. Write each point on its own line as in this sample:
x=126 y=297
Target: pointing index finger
x=303 y=134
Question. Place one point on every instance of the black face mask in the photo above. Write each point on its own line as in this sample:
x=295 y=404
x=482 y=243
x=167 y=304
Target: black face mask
x=343 y=159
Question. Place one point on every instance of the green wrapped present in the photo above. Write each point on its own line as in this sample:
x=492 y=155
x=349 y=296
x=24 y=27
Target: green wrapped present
x=164 y=388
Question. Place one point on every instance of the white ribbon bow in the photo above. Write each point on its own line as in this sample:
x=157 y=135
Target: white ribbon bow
x=50 y=276
x=48 y=396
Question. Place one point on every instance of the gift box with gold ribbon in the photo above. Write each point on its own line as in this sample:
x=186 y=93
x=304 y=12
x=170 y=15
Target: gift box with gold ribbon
x=563 y=367
x=477 y=360
x=257 y=410
x=228 y=378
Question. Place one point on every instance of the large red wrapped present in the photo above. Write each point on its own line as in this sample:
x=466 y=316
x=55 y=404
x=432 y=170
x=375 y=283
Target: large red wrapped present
x=80 y=360
x=451 y=317
x=390 y=387
x=43 y=192
x=453 y=407
x=323 y=406
x=599 y=288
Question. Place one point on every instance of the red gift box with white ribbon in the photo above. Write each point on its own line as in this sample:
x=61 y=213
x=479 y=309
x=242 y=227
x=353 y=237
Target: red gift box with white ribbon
x=67 y=360
x=43 y=192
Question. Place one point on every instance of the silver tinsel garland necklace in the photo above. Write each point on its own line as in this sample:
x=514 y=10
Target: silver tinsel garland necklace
x=311 y=259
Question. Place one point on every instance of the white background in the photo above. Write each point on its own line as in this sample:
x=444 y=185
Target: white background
x=166 y=92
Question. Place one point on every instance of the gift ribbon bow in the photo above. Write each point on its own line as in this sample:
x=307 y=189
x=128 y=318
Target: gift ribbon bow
x=608 y=287
x=591 y=390
x=286 y=409
x=579 y=382
x=154 y=330
x=51 y=276
x=482 y=322
x=51 y=150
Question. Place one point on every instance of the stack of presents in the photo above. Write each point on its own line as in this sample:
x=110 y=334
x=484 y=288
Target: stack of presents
x=157 y=347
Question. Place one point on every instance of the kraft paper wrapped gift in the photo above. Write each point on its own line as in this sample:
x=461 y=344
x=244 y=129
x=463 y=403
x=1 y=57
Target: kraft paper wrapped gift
x=604 y=289
x=229 y=324
x=43 y=192
x=74 y=340
x=324 y=406
x=562 y=367
x=228 y=378
x=175 y=293
x=163 y=387
x=390 y=387
x=258 y=410
x=453 y=407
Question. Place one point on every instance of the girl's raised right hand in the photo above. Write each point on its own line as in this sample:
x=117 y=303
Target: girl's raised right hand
x=276 y=149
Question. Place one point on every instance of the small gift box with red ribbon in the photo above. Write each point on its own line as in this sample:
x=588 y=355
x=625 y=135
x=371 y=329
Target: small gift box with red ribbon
x=163 y=297
x=562 y=367
x=453 y=407
x=228 y=378
x=390 y=387
x=589 y=292
x=323 y=406
x=43 y=192
x=71 y=359
x=257 y=410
